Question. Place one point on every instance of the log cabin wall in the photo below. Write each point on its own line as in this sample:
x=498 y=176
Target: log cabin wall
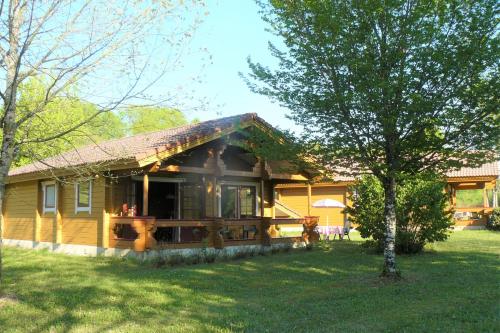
x=25 y=219
x=296 y=198
x=20 y=215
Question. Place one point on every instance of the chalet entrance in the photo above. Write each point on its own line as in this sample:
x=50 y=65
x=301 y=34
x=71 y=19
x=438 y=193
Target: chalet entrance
x=163 y=199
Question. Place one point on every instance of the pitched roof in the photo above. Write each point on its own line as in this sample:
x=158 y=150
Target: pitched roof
x=487 y=169
x=490 y=169
x=138 y=147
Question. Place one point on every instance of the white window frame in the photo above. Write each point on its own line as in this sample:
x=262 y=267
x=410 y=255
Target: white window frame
x=44 y=199
x=83 y=209
x=237 y=183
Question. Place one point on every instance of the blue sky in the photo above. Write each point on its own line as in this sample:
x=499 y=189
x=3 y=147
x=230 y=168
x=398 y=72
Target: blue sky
x=232 y=31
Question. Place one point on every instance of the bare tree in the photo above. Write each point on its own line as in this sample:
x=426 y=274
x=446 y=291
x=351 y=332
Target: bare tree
x=108 y=52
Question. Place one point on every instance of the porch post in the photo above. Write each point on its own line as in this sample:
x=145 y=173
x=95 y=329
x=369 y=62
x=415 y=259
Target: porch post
x=273 y=203
x=38 y=217
x=486 y=203
x=145 y=195
x=216 y=198
x=309 y=199
x=453 y=198
x=107 y=208
x=262 y=193
x=495 y=194
x=58 y=215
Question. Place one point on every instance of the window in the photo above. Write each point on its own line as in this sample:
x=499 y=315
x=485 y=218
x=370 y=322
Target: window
x=238 y=201
x=83 y=197
x=192 y=202
x=247 y=201
x=49 y=197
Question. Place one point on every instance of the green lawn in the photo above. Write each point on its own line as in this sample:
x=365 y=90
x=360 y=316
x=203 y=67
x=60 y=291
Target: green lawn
x=453 y=287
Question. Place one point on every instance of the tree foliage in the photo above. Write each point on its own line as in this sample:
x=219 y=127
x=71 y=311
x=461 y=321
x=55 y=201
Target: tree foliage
x=64 y=112
x=494 y=220
x=391 y=87
x=61 y=113
x=141 y=119
x=422 y=212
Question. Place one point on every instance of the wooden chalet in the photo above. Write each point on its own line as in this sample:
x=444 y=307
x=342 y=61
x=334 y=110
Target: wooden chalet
x=188 y=187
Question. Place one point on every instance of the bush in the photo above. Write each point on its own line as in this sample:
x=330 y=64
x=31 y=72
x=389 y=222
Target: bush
x=421 y=210
x=494 y=220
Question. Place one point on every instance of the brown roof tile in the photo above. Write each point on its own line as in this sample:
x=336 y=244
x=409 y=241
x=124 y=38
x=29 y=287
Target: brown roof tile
x=487 y=169
x=134 y=148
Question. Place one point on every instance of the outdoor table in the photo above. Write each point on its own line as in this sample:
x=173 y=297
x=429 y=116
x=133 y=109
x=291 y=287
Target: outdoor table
x=330 y=230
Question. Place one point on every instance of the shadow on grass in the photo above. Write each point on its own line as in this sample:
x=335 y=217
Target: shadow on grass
x=301 y=291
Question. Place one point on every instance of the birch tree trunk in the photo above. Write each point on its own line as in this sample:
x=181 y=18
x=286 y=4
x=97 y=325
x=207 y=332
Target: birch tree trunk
x=9 y=121
x=390 y=228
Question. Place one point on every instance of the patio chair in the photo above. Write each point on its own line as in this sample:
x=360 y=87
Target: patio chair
x=342 y=232
x=346 y=232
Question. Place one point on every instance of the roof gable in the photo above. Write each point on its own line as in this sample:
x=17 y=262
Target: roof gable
x=143 y=149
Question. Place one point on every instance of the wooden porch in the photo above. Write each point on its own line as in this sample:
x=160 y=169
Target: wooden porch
x=148 y=233
x=474 y=214
x=213 y=195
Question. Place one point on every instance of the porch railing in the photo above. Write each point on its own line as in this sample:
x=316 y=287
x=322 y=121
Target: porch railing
x=149 y=233
x=471 y=215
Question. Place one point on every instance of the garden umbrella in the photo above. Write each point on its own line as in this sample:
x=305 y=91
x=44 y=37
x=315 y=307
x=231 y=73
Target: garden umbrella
x=328 y=203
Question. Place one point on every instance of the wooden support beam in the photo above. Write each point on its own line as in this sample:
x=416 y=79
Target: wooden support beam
x=59 y=212
x=309 y=199
x=215 y=199
x=179 y=168
x=265 y=231
x=273 y=203
x=453 y=198
x=38 y=218
x=486 y=203
x=108 y=204
x=155 y=167
x=215 y=233
x=145 y=195
x=262 y=201
x=495 y=196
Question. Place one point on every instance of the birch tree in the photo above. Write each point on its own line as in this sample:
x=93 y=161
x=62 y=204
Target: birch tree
x=393 y=87
x=105 y=52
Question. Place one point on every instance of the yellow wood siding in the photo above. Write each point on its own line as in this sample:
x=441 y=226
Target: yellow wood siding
x=296 y=199
x=47 y=232
x=20 y=210
x=82 y=228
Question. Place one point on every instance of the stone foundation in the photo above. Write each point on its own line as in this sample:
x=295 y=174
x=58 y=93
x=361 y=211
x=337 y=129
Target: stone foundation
x=93 y=251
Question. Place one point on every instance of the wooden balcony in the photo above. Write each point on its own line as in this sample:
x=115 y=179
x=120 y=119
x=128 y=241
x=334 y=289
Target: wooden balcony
x=143 y=233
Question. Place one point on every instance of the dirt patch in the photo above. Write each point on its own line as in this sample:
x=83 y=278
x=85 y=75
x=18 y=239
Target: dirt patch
x=8 y=299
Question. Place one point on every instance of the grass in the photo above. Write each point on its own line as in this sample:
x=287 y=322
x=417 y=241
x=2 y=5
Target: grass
x=470 y=198
x=452 y=287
